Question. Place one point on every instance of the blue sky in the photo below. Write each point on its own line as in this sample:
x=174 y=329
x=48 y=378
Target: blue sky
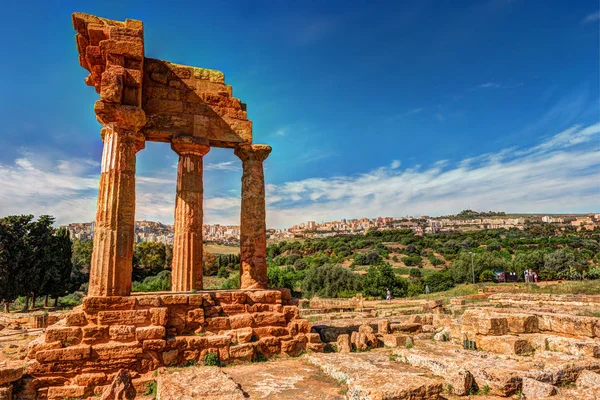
x=372 y=108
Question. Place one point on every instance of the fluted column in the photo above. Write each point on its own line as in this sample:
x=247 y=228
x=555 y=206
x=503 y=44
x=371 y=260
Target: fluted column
x=253 y=235
x=186 y=273
x=111 y=266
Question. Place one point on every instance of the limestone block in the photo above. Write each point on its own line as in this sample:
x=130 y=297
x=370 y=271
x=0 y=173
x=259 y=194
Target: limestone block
x=159 y=316
x=127 y=317
x=522 y=323
x=588 y=380
x=570 y=324
x=93 y=304
x=66 y=335
x=504 y=345
x=95 y=334
x=383 y=327
x=271 y=331
x=154 y=345
x=213 y=341
x=73 y=353
x=175 y=299
x=405 y=327
x=115 y=350
x=244 y=335
x=150 y=332
x=11 y=373
x=66 y=392
x=90 y=379
x=242 y=352
x=148 y=301
x=484 y=323
x=457 y=302
x=268 y=346
x=39 y=344
x=292 y=347
x=395 y=340
x=122 y=333
x=269 y=319
x=241 y=321
x=427 y=329
x=76 y=318
x=533 y=389
x=233 y=309
x=217 y=324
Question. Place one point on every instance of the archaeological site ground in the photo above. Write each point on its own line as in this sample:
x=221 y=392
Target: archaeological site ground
x=258 y=342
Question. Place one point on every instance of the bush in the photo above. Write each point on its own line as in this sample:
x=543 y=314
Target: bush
x=233 y=282
x=70 y=300
x=212 y=360
x=433 y=260
x=330 y=281
x=412 y=260
x=283 y=277
x=223 y=273
x=414 y=273
x=379 y=279
x=439 y=281
x=160 y=282
x=372 y=258
x=547 y=275
x=416 y=288
x=487 y=276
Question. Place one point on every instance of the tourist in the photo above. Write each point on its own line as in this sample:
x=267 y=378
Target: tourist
x=535 y=277
x=388 y=295
x=426 y=289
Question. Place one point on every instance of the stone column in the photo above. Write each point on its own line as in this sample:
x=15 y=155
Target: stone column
x=186 y=272
x=253 y=235
x=111 y=266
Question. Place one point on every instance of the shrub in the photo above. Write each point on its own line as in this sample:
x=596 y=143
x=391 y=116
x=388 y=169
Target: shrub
x=233 y=282
x=212 y=359
x=414 y=273
x=487 y=276
x=379 y=279
x=160 y=282
x=150 y=389
x=412 y=260
x=330 y=281
x=439 y=281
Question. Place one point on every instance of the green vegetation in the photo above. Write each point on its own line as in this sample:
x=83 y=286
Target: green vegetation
x=212 y=359
x=35 y=260
x=150 y=389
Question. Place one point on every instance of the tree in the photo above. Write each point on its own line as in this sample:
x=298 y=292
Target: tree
x=60 y=279
x=82 y=255
x=14 y=256
x=487 y=276
x=461 y=269
x=42 y=258
x=439 y=281
x=380 y=278
x=564 y=261
x=148 y=259
x=330 y=281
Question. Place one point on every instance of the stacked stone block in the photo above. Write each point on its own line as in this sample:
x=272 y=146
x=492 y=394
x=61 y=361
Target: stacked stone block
x=143 y=333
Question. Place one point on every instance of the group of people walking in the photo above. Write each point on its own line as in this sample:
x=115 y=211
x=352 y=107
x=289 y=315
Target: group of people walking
x=530 y=276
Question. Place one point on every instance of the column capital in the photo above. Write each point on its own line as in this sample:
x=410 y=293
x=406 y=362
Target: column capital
x=190 y=145
x=254 y=152
x=137 y=139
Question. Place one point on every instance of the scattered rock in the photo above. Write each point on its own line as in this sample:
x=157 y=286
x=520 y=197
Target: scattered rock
x=121 y=387
x=588 y=380
x=533 y=389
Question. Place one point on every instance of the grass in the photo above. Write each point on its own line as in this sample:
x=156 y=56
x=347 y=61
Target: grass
x=150 y=389
x=406 y=271
x=221 y=249
x=212 y=359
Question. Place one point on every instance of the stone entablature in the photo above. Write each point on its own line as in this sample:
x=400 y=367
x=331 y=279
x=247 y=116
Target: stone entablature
x=144 y=99
x=144 y=332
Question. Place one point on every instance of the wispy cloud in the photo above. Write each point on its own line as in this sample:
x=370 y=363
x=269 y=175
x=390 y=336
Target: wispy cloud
x=280 y=132
x=223 y=166
x=495 y=85
x=595 y=16
x=559 y=174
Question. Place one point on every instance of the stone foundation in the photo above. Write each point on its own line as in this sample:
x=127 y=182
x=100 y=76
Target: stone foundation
x=144 y=332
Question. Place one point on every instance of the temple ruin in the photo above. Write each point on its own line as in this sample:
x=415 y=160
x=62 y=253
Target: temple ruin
x=144 y=99
x=115 y=333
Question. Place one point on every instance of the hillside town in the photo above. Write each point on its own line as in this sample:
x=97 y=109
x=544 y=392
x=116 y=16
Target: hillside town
x=151 y=231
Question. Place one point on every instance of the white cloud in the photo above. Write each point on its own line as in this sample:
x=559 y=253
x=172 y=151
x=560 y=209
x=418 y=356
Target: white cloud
x=224 y=166
x=561 y=174
x=595 y=16
x=489 y=85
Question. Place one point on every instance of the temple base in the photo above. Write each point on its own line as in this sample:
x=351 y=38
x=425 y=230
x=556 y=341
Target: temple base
x=141 y=333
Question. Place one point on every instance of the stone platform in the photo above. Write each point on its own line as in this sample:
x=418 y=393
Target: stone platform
x=144 y=332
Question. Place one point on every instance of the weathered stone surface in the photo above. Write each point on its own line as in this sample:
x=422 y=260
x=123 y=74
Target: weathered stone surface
x=372 y=376
x=396 y=340
x=11 y=372
x=122 y=333
x=253 y=230
x=197 y=383
x=121 y=387
x=73 y=353
x=533 y=389
x=129 y=317
x=588 y=380
x=66 y=392
x=150 y=332
x=66 y=335
x=383 y=327
x=506 y=344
